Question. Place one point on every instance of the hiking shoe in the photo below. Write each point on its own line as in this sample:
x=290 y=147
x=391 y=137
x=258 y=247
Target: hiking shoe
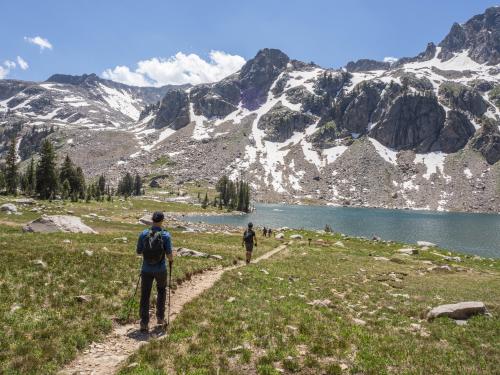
x=144 y=328
x=161 y=322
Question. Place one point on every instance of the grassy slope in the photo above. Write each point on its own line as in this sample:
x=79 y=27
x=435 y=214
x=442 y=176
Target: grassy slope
x=271 y=328
x=42 y=325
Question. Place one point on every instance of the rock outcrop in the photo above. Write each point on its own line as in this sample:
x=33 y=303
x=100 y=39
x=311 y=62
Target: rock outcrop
x=462 y=310
x=487 y=141
x=281 y=122
x=412 y=122
x=174 y=111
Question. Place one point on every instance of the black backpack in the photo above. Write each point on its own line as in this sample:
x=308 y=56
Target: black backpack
x=248 y=236
x=154 y=251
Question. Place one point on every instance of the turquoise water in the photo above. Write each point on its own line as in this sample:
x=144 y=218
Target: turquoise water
x=471 y=233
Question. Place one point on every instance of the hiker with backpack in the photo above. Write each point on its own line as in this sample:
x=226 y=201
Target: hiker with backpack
x=155 y=245
x=249 y=239
x=264 y=232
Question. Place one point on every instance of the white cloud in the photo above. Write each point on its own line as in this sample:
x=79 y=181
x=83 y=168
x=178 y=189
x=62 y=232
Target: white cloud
x=390 y=59
x=23 y=64
x=178 y=69
x=10 y=64
x=39 y=41
x=3 y=72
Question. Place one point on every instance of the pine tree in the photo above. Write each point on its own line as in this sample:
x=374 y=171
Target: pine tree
x=68 y=172
x=126 y=185
x=137 y=185
x=204 y=204
x=81 y=185
x=2 y=180
x=11 y=175
x=246 y=206
x=101 y=184
x=88 y=195
x=30 y=178
x=46 y=175
x=66 y=190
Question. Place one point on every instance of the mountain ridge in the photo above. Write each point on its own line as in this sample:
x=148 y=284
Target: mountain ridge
x=301 y=132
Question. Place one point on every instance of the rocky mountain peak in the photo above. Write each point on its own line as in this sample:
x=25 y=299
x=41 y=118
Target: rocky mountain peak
x=480 y=35
x=258 y=74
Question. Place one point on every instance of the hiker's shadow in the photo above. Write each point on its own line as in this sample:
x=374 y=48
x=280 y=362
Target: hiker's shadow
x=137 y=335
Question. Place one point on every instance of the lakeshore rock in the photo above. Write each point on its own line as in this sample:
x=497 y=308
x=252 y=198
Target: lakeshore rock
x=460 y=311
x=279 y=236
x=58 y=223
x=426 y=243
x=296 y=237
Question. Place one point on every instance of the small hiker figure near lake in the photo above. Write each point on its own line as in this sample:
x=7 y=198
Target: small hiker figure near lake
x=155 y=245
x=249 y=239
x=269 y=232
x=264 y=232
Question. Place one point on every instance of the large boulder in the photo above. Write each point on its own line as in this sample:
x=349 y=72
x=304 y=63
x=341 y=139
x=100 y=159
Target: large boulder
x=412 y=122
x=8 y=207
x=281 y=122
x=173 y=111
x=462 y=310
x=58 y=223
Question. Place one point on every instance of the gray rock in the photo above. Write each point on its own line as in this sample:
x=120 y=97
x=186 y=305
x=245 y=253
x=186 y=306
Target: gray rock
x=8 y=207
x=279 y=236
x=58 y=223
x=184 y=252
x=461 y=311
x=39 y=262
x=296 y=237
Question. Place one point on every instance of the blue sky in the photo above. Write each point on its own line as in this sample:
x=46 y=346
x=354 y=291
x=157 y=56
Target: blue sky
x=93 y=36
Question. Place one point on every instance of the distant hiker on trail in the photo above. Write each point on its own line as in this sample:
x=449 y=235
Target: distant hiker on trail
x=269 y=232
x=249 y=238
x=264 y=232
x=155 y=245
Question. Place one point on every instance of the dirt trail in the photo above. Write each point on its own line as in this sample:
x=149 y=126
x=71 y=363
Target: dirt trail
x=106 y=357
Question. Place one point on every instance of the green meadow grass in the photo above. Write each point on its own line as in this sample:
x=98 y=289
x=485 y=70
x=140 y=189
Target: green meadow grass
x=42 y=323
x=270 y=327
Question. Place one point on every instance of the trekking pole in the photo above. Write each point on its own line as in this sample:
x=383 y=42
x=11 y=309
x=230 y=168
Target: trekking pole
x=169 y=285
x=133 y=296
